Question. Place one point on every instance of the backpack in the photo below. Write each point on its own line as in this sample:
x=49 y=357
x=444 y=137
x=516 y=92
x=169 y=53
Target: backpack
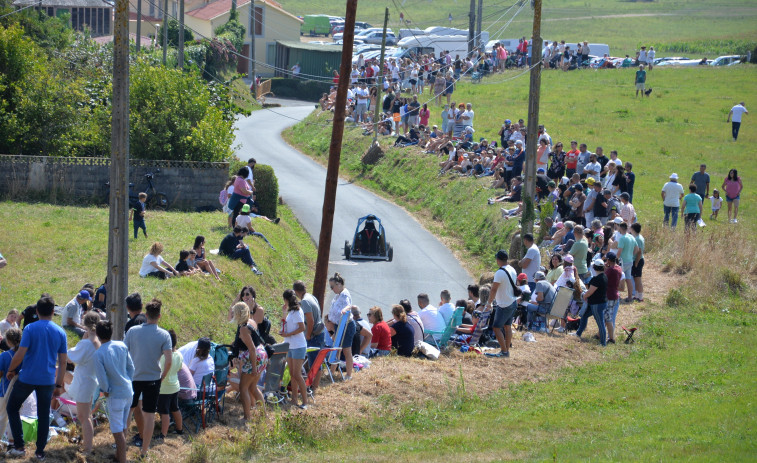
x=223 y=197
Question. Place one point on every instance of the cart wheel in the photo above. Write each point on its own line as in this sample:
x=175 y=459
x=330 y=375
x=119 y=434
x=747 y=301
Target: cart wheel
x=347 y=250
x=390 y=253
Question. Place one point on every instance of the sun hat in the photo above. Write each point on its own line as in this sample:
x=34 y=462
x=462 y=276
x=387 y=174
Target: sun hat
x=246 y=208
x=568 y=259
x=674 y=176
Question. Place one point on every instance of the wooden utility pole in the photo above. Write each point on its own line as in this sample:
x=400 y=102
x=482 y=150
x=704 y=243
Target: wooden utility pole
x=118 y=236
x=335 y=151
x=471 y=25
x=181 y=35
x=139 y=25
x=165 y=31
x=478 y=22
x=380 y=80
x=533 y=123
x=251 y=61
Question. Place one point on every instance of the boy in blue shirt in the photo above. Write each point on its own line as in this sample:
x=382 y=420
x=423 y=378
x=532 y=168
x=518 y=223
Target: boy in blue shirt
x=115 y=371
x=42 y=343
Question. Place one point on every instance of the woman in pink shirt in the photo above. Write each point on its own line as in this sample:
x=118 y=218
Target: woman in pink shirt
x=242 y=192
x=732 y=186
x=424 y=115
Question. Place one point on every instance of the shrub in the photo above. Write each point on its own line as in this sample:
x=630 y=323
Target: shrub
x=675 y=298
x=266 y=190
x=731 y=281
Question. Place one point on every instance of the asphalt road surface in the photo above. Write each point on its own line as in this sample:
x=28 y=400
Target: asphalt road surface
x=420 y=264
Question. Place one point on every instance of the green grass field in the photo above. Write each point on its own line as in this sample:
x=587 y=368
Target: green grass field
x=56 y=249
x=680 y=126
x=624 y=25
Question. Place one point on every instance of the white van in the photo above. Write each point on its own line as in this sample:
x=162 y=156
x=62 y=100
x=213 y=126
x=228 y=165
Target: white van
x=433 y=45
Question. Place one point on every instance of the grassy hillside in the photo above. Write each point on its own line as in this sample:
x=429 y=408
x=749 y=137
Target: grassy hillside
x=679 y=127
x=624 y=25
x=56 y=249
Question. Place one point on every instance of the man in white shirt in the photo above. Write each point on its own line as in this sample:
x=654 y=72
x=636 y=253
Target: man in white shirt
x=251 y=175
x=430 y=316
x=446 y=309
x=593 y=169
x=531 y=261
x=672 y=193
x=650 y=57
x=643 y=56
x=361 y=104
x=734 y=117
x=503 y=301
x=467 y=116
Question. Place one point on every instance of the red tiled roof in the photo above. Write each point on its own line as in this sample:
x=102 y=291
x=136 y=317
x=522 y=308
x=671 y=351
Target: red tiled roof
x=219 y=7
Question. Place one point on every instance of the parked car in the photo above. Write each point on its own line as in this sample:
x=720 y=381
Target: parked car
x=683 y=62
x=359 y=25
x=337 y=29
x=669 y=58
x=726 y=60
x=359 y=35
x=377 y=37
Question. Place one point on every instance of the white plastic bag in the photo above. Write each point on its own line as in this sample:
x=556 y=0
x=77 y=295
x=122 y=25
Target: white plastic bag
x=428 y=350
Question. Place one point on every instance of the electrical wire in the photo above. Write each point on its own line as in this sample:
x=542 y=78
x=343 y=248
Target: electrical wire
x=19 y=10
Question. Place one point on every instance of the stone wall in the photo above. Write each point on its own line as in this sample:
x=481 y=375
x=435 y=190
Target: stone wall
x=187 y=185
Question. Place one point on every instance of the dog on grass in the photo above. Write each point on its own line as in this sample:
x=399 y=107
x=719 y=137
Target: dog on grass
x=648 y=91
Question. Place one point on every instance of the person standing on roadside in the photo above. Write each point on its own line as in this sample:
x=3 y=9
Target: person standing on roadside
x=42 y=344
x=146 y=344
x=503 y=301
x=638 y=263
x=641 y=79
x=314 y=326
x=734 y=117
x=672 y=193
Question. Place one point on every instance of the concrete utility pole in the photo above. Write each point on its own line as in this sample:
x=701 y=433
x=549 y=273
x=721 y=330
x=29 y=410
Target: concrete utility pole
x=165 y=31
x=139 y=24
x=181 y=34
x=471 y=25
x=380 y=80
x=335 y=151
x=118 y=236
x=533 y=123
x=478 y=22
x=251 y=61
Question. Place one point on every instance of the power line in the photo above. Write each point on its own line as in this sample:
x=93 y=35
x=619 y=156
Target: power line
x=19 y=10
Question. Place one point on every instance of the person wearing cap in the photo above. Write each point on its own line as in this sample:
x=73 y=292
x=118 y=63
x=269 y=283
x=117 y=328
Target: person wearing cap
x=503 y=300
x=543 y=294
x=596 y=297
x=72 y=312
x=591 y=196
x=505 y=132
x=672 y=194
x=569 y=273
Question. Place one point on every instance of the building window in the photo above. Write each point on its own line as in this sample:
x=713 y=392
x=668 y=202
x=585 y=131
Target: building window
x=258 y=28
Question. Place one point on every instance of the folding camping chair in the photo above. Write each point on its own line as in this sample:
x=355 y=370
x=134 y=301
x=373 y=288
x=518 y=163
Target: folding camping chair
x=317 y=365
x=560 y=305
x=220 y=355
x=272 y=392
x=200 y=411
x=449 y=329
x=629 y=334
x=333 y=357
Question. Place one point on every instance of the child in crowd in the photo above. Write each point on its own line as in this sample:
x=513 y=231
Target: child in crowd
x=715 y=200
x=11 y=321
x=168 y=400
x=137 y=214
x=115 y=371
x=183 y=266
x=12 y=340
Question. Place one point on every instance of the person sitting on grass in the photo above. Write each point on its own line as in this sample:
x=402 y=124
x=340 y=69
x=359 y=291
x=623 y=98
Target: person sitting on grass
x=115 y=371
x=234 y=248
x=183 y=266
x=248 y=212
x=515 y=192
x=206 y=265
x=168 y=399
x=402 y=332
x=153 y=264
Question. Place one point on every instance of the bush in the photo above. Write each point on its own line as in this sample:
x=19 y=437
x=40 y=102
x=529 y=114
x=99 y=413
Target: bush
x=676 y=298
x=308 y=90
x=266 y=190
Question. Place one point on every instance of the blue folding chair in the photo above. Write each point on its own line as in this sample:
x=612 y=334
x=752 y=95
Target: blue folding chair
x=333 y=357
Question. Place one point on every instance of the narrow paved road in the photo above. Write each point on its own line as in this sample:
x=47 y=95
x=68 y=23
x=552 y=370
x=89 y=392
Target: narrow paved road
x=421 y=263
